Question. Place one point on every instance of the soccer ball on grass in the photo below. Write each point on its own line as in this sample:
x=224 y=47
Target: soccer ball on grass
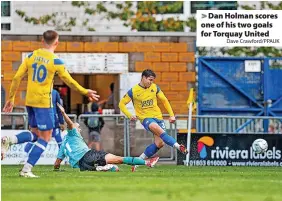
x=108 y=168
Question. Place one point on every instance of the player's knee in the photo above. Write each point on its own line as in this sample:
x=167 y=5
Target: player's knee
x=47 y=139
x=160 y=144
x=34 y=130
x=154 y=127
x=45 y=135
x=113 y=159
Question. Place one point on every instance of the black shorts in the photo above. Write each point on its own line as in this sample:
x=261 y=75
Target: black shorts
x=94 y=136
x=92 y=159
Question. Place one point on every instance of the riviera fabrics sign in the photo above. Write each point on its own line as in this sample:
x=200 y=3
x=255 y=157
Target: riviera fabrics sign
x=234 y=150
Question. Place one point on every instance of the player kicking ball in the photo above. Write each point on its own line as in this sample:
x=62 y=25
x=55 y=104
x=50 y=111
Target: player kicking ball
x=145 y=97
x=80 y=156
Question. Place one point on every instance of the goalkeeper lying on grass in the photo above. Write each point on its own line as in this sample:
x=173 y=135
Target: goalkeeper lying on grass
x=80 y=156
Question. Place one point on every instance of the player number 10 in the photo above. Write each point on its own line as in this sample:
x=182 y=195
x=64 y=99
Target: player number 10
x=40 y=73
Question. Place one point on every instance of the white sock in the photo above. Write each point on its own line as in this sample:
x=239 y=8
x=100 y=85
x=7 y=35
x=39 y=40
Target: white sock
x=13 y=139
x=27 y=167
x=176 y=145
x=143 y=156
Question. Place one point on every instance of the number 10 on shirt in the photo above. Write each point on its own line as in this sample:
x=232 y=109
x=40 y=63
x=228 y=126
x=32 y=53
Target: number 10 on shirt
x=40 y=73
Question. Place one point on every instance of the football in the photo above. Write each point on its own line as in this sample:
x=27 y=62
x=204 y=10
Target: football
x=108 y=168
x=260 y=146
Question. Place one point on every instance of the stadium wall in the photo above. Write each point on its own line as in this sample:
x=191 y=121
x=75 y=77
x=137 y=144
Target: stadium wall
x=172 y=57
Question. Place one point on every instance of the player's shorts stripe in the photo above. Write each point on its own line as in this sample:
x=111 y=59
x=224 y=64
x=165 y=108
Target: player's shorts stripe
x=58 y=62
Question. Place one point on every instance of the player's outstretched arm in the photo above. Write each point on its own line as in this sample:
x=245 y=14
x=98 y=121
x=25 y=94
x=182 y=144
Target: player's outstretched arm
x=66 y=77
x=122 y=106
x=67 y=119
x=167 y=106
x=14 y=87
x=60 y=116
x=60 y=157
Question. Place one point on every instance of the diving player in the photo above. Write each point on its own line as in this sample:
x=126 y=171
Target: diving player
x=80 y=156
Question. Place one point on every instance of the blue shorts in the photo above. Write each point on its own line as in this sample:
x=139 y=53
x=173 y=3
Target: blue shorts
x=146 y=123
x=41 y=118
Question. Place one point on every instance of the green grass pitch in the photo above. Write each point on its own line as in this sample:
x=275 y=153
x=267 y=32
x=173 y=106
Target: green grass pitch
x=162 y=183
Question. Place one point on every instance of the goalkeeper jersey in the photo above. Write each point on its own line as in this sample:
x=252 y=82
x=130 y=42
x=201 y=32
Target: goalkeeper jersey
x=73 y=147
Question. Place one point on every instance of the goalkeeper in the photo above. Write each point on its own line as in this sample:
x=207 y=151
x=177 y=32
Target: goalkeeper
x=80 y=156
